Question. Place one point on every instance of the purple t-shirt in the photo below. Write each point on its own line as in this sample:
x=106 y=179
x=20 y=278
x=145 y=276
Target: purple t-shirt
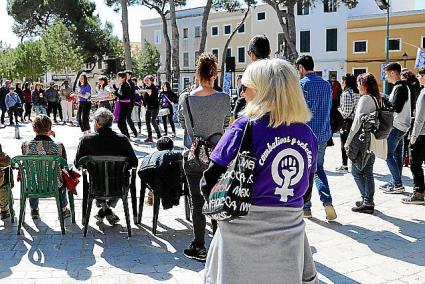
x=84 y=90
x=286 y=156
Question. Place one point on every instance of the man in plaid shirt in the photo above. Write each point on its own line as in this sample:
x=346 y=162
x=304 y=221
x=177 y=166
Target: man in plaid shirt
x=318 y=95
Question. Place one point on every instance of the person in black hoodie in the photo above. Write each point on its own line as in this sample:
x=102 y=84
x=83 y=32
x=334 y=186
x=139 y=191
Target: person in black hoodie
x=134 y=88
x=151 y=102
x=124 y=94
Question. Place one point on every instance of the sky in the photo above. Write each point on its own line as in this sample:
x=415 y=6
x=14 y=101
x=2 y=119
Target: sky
x=106 y=14
x=135 y=15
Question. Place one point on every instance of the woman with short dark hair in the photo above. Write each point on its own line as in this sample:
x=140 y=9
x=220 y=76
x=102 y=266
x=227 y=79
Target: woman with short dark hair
x=168 y=99
x=348 y=103
x=124 y=94
x=151 y=101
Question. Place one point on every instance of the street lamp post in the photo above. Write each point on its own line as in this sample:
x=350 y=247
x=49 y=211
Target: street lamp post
x=405 y=57
x=385 y=5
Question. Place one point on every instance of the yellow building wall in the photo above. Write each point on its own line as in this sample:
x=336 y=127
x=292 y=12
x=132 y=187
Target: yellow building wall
x=373 y=30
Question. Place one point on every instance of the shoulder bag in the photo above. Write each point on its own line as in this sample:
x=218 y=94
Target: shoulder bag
x=231 y=197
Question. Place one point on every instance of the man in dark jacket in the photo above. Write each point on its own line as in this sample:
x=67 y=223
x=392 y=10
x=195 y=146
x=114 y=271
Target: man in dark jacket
x=105 y=142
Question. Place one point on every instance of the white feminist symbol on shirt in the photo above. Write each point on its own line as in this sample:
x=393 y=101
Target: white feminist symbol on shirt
x=287 y=170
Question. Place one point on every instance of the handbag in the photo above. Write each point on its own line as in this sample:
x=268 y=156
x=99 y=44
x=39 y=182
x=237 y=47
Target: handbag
x=163 y=112
x=72 y=179
x=231 y=196
x=198 y=158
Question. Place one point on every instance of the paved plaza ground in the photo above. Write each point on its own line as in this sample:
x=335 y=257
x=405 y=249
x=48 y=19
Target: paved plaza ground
x=388 y=247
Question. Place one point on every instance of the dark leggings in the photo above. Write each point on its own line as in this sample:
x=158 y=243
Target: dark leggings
x=150 y=117
x=125 y=111
x=170 y=119
x=344 y=135
x=28 y=107
x=130 y=120
x=83 y=115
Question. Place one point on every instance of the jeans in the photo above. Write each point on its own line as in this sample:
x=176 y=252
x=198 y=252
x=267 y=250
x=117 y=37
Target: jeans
x=150 y=116
x=170 y=119
x=320 y=180
x=28 y=107
x=83 y=115
x=365 y=181
x=39 y=109
x=64 y=199
x=52 y=107
x=13 y=111
x=197 y=202
x=395 y=155
x=418 y=158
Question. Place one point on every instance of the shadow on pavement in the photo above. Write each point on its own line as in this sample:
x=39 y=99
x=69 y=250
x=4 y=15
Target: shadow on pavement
x=378 y=241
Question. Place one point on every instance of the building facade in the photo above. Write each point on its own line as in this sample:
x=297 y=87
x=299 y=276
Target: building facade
x=321 y=32
x=366 y=41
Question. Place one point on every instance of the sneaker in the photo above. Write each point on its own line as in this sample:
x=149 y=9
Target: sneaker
x=4 y=215
x=415 y=198
x=394 y=189
x=364 y=208
x=112 y=219
x=307 y=214
x=385 y=185
x=66 y=213
x=197 y=253
x=330 y=212
x=342 y=169
x=34 y=214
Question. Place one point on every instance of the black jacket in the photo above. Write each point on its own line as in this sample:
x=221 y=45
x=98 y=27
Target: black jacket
x=240 y=106
x=125 y=92
x=151 y=101
x=162 y=172
x=358 y=150
x=105 y=142
x=401 y=95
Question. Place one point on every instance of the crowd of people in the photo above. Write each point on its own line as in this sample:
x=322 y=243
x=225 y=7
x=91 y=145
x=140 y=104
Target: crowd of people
x=294 y=115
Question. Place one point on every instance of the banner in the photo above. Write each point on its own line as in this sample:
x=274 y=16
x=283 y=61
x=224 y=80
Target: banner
x=420 y=59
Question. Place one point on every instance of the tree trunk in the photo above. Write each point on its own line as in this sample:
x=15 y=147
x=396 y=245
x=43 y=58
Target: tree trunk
x=175 y=36
x=223 y=61
x=167 y=48
x=125 y=34
x=204 y=26
x=287 y=22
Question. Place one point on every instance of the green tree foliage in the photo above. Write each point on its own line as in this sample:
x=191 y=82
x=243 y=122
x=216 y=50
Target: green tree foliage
x=7 y=62
x=60 y=51
x=32 y=17
x=146 y=61
x=29 y=61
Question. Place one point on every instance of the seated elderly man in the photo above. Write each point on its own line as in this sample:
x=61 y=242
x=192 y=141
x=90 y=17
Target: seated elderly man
x=105 y=142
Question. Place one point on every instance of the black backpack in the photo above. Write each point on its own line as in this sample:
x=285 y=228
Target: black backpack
x=385 y=115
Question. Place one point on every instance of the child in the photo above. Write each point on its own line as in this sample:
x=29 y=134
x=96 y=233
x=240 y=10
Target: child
x=4 y=163
x=13 y=104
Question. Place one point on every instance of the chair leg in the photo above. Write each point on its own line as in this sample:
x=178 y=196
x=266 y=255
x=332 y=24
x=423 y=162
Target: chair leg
x=127 y=214
x=141 y=202
x=71 y=206
x=156 y=203
x=21 y=213
x=187 y=207
x=10 y=201
x=87 y=217
x=58 y=203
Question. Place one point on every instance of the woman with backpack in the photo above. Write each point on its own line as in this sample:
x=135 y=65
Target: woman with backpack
x=370 y=98
x=204 y=114
x=349 y=99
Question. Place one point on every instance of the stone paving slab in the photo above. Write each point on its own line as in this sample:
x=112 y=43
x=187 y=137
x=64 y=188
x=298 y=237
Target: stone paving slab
x=388 y=247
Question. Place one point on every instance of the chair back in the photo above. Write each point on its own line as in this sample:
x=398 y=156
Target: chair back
x=109 y=175
x=39 y=174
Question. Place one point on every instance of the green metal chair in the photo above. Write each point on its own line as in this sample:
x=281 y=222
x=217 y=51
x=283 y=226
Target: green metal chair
x=7 y=187
x=39 y=179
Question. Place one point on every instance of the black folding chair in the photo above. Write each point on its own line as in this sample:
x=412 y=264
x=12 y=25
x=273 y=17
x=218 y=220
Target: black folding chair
x=109 y=177
x=156 y=200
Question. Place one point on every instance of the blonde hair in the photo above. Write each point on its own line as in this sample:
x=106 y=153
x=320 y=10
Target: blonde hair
x=278 y=93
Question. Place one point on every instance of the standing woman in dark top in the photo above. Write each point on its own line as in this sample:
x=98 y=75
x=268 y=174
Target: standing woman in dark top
x=168 y=98
x=151 y=101
x=124 y=93
x=27 y=99
x=84 y=103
